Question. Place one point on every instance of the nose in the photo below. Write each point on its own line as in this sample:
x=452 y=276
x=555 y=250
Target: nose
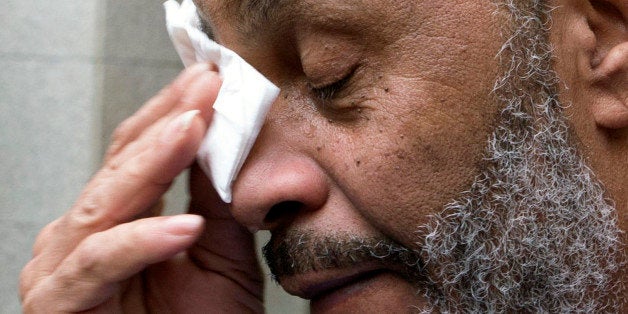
x=275 y=187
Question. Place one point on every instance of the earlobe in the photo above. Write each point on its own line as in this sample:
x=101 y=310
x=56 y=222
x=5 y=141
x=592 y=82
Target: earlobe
x=609 y=64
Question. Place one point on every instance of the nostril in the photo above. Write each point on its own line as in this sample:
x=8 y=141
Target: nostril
x=283 y=211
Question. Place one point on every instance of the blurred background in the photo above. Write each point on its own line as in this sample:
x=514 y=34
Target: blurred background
x=70 y=72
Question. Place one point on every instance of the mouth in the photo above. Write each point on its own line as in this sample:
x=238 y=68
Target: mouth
x=346 y=273
x=315 y=284
x=338 y=290
x=325 y=289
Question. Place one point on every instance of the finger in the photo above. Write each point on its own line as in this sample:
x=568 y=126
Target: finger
x=155 y=108
x=226 y=246
x=200 y=95
x=116 y=195
x=91 y=274
x=48 y=231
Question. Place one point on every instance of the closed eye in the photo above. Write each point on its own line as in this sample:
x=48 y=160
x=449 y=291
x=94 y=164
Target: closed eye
x=329 y=91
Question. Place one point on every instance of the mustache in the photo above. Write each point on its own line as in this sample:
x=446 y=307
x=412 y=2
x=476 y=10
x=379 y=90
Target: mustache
x=300 y=252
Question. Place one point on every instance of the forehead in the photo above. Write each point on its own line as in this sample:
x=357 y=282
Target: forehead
x=250 y=16
x=242 y=9
x=244 y=15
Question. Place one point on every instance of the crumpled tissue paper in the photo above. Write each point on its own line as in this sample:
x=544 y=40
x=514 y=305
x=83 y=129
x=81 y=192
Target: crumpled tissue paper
x=242 y=103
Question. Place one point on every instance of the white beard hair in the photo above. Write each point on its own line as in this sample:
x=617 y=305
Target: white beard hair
x=535 y=232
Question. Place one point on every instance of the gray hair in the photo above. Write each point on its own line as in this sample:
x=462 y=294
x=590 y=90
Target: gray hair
x=535 y=231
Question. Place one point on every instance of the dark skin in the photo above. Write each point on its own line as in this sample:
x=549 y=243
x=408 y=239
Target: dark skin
x=416 y=109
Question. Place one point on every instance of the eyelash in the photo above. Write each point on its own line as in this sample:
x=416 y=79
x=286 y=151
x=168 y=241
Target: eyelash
x=328 y=92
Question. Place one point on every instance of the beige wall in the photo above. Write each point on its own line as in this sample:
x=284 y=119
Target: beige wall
x=71 y=71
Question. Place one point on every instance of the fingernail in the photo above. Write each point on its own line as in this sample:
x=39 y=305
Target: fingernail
x=178 y=126
x=183 y=224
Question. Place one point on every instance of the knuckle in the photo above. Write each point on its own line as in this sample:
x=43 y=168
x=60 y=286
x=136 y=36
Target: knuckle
x=87 y=260
x=137 y=172
x=120 y=137
x=87 y=217
x=25 y=280
x=114 y=149
x=112 y=164
x=122 y=131
x=88 y=214
x=45 y=236
x=96 y=257
x=30 y=280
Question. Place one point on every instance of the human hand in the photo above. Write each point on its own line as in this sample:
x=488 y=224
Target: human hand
x=112 y=253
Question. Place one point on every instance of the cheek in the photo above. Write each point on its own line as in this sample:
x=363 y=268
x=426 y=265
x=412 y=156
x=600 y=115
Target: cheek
x=414 y=155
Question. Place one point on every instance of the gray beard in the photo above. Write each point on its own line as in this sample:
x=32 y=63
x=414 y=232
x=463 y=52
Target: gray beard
x=534 y=233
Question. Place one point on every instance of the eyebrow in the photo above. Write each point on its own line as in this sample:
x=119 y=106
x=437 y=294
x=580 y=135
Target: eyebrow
x=259 y=6
x=256 y=12
x=251 y=18
x=250 y=14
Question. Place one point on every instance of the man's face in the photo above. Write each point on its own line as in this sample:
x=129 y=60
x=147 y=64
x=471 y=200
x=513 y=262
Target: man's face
x=378 y=170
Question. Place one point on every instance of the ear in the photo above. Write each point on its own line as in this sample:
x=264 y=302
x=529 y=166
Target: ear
x=608 y=73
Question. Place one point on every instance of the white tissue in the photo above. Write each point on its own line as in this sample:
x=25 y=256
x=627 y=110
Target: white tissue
x=243 y=100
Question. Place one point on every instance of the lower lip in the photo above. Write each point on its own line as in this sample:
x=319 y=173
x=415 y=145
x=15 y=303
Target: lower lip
x=380 y=292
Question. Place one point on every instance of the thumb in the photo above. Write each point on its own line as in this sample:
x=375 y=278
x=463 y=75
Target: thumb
x=225 y=247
